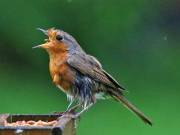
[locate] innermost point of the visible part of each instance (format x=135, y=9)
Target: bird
x=80, y=75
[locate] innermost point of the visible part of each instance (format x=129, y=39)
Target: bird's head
x=58, y=41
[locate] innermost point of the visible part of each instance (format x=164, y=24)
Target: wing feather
x=90, y=66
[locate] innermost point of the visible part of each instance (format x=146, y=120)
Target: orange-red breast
x=79, y=74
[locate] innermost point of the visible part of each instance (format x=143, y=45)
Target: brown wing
x=88, y=65
x=113, y=80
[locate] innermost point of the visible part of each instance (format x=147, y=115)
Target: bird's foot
x=70, y=115
x=72, y=109
x=69, y=110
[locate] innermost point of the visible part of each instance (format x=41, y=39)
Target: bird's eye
x=59, y=37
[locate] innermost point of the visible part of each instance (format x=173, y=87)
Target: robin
x=81, y=75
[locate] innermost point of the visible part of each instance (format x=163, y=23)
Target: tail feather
x=133, y=108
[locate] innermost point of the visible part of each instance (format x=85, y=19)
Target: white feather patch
x=100, y=95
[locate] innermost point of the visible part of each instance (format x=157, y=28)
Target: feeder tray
x=44, y=124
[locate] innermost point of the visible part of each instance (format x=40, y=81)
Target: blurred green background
x=137, y=41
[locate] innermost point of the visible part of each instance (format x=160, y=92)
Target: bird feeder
x=45, y=124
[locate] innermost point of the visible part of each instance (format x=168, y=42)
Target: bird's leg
x=71, y=111
x=68, y=108
x=71, y=99
x=74, y=108
x=75, y=116
x=71, y=102
x=84, y=109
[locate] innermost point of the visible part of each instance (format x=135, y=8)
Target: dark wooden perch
x=65, y=125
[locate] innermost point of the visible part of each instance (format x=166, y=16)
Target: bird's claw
x=71, y=115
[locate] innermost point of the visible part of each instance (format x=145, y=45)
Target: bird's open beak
x=38, y=46
x=43, y=45
x=44, y=31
